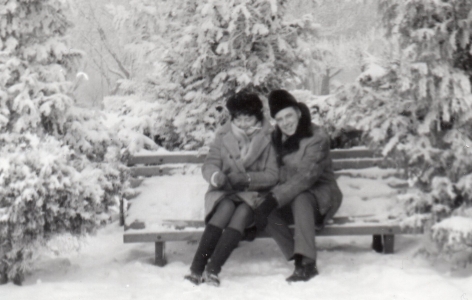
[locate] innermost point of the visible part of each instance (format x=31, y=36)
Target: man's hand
x=239, y=181
x=262, y=211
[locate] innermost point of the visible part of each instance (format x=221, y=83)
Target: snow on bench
x=382, y=228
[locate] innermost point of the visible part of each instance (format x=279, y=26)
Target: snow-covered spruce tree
x=60, y=168
x=227, y=46
x=210, y=49
x=417, y=108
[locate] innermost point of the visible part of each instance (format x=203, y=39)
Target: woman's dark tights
x=233, y=215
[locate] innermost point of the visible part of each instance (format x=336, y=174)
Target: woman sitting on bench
x=240, y=164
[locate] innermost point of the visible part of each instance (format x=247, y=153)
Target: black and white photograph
x=235, y=149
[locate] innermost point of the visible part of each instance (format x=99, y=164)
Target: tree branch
x=116, y=72
x=109, y=49
x=335, y=73
x=111, y=52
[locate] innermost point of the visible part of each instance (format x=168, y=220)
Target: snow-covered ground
x=105, y=268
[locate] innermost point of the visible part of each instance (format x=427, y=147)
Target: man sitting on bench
x=307, y=193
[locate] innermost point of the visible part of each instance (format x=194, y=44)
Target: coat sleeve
x=213, y=161
x=269, y=176
x=310, y=168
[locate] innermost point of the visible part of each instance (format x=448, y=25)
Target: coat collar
x=305, y=130
x=305, y=142
x=260, y=140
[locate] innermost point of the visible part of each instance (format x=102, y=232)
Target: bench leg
x=377, y=244
x=122, y=212
x=161, y=254
x=389, y=242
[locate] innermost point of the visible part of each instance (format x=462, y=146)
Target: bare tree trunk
x=325, y=84
x=310, y=82
x=325, y=81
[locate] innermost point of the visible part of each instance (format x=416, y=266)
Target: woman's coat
x=224, y=156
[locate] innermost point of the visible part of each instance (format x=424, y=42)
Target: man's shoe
x=194, y=278
x=310, y=271
x=303, y=273
x=211, y=279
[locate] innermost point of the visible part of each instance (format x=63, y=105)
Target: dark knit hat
x=281, y=99
x=244, y=103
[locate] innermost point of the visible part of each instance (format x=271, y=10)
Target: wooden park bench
x=383, y=232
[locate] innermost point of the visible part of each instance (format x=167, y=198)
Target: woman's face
x=245, y=122
x=287, y=120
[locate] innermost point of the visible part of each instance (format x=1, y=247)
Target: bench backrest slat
x=339, y=164
x=154, y=164
x=160, y=159
x=196, y=157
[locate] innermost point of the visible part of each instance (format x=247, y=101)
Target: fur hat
x=280, y=99
x=244, y=103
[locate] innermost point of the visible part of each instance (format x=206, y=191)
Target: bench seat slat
x=180, y=224
x=195, y=234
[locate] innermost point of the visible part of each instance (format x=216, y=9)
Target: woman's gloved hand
x=239, y=181
x=218, y=179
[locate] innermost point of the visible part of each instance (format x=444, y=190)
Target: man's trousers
x=303, y=213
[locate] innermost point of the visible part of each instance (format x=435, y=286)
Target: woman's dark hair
x=244, y=103
x=292, y=143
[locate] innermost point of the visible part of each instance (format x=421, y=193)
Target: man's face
x=287, y=120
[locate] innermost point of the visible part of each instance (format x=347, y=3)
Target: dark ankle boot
x=303, y=272
x=228, y=242
x=194, y=278
x=211, y=279
x=205, y=249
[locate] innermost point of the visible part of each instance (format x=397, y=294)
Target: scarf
x=245, y=141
